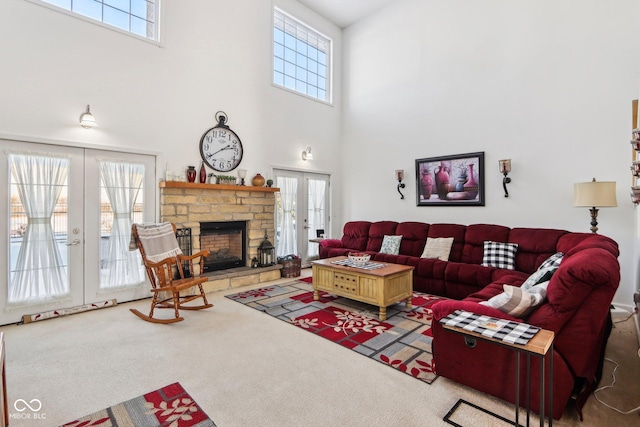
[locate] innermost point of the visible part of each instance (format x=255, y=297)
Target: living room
x=548, y=84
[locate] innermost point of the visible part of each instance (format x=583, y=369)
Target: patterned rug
x=169, y=406
x=403, y=341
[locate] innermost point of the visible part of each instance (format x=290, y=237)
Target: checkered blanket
x=504, y=330
x=367, y=266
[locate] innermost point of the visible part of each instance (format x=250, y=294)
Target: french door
x=302, y=212
x=66, y=226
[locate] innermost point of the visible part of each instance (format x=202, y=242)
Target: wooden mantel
x=227, y=187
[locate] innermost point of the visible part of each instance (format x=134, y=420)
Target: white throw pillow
x=438, y=247
x=391, y=245
x=518, y=302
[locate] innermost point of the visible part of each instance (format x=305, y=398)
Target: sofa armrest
x=442, y=309
x=326, y=244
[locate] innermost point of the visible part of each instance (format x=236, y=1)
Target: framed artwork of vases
x=456, y=180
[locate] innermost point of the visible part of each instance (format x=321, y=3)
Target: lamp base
x=594, y=222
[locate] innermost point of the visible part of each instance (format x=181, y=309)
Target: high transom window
x=301, y=57
x=138, y=17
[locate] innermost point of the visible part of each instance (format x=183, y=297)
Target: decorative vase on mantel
x=258, y=180
x=191, y=174
x=203, y=174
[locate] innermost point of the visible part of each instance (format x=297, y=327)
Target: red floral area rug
x=403, y=341
x=170, y=406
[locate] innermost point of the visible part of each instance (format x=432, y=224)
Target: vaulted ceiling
x=345, y=12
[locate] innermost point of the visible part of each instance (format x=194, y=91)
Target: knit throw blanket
x=158, y=240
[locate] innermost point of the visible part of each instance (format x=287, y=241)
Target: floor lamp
x=594, y=195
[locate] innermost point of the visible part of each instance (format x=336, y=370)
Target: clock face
x=221, y=149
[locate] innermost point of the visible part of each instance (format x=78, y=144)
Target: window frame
x=159, y=12
x=329, y=56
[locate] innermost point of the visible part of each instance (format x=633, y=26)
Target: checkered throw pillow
x=553, y=261
x=544, y=272
x=500, y=255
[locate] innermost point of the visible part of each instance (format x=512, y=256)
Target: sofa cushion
x=518, y=302
x=391, y=245
x=355, y=235
x=438, y=247
x=475, y=237
x=456, y=231
x=414, y=236
x=499, y=255
x=377, y=232
x=534, y=246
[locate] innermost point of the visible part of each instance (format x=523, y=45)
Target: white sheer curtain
x=316, y=189
x=122, y=183
x=40, y=274
x=286, y=243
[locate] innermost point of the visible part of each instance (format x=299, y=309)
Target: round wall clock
x=220, y=147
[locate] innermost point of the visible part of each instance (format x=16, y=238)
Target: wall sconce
x=242, y=174
x=505, y=168
x=87, y=120
x=400, y=177
x=306, y=154
x=594, y=194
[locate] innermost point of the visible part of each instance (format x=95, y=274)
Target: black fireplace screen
x=226, y=242
x=184, y=241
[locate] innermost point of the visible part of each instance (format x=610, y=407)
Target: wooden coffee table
x=381, y=287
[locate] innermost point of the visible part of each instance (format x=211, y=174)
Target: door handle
x=74, y=243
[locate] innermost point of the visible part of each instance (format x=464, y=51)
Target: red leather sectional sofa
x=579, y=297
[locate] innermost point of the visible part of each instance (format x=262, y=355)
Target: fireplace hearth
x=227, y=243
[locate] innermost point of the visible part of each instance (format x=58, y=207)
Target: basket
x=291, y=266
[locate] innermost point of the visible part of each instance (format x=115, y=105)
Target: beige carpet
x=245, y=368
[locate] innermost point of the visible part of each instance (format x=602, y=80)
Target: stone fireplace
x=191, y=204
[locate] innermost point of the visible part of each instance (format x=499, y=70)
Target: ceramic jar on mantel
x=258, y=180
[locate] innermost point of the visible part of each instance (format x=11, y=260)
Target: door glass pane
x=121, y=204
x=38, y=229
x=286, y=236
x=316, y=190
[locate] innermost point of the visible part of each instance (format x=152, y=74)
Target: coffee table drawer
x=345, y=283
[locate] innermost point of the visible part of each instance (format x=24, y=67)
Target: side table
x=538, y=346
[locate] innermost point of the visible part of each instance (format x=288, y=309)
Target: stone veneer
x=188, y=204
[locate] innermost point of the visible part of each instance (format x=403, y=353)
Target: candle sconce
x=400, y=178
x=505, y=168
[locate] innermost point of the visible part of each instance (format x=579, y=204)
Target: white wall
x=547, y=83
x=215, y=55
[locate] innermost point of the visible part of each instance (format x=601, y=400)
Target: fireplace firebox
x=227, y=243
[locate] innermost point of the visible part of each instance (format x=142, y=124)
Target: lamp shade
x=595, y=194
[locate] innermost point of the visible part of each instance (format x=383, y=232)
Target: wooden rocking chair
x=164, y=251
